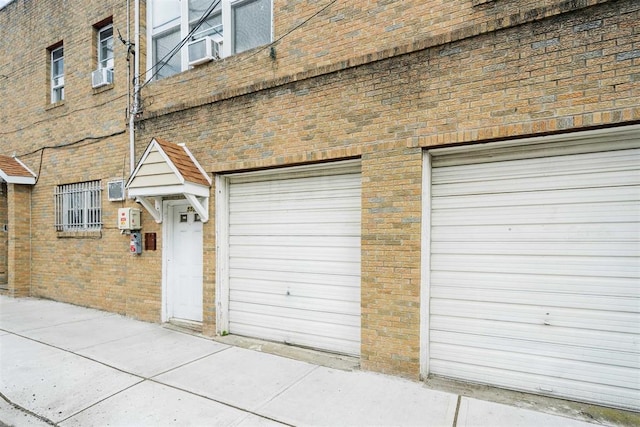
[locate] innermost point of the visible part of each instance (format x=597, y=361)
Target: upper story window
x=78, y=206
x=105, y=47
x=251, y=24
x=57, y=73
x=103, y=72
x=234, y=25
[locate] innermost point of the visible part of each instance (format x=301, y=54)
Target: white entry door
x=184, y=264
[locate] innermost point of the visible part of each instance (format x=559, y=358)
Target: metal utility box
x=129, y=219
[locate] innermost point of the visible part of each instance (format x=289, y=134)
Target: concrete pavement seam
x=26, y=411
x=74, y=353
x=100, y=401
x=185, y=364
x=142, y=379
x=248, y=411
x=455, y=417
x=285, y=388
x=64, y=323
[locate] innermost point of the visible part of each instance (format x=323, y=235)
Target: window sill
x=103, y=88
x=93, y=234
x=54, y=105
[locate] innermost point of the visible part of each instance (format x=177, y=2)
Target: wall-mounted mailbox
x=150, y=241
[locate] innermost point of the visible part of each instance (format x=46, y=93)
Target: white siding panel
x=154, y=169
x=155, y=180
x=535, y=269
x=294, y=258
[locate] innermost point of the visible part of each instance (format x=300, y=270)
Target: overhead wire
x=268, y=46
x=162, y=62
x=265, y=47
x=30, y=125
x=93, y=139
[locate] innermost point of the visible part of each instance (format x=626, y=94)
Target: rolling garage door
x=535, y=267
x=294, y=256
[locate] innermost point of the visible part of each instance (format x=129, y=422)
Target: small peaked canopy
x=14, y=171
x=168, y=169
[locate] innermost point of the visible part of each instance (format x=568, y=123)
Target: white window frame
x=57, y=80
x=108, y=61
x=229, y=24
x=227, y=31
x=78, y=206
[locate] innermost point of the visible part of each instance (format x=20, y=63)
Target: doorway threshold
x=184, y=325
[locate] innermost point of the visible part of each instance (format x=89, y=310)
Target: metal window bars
x=78, y=206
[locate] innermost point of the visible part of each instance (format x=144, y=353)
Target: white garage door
x=535, y=266
x=294, y=256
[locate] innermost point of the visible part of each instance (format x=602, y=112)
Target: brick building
x=436, y=188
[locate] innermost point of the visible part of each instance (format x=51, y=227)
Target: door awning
x=168, y=169
x=13, y=171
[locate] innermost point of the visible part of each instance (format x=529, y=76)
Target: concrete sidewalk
x=70, y=366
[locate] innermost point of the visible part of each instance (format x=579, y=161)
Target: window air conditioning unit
x=116, y=190
x=204, y=50
x=101, y=77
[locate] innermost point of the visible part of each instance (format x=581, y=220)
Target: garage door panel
x=617, y=232
x=586, y=249
x=535, y=266
x=285, y=185
x=296, y=266
x=297, y=241
x=294, y=256
x=325, y=291
x=540, y=333
x=568, y=265
x=558, y=316
x=609, y=194
x=295, y=320
x=247, y=202
x=620, y=287
x=297, y=229
x=543, y=384
x=305, y=339
x=324, y=251
x=300, y=202
x=567, y=166
x=284, y=301
x=528, y=184
x=275, y=277
x=533, y=348
x=298, y=217
x=577, y=370
x=248, y=206
x=546, y=214
x=548, y=299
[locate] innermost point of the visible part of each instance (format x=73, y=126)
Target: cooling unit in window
x=116, y=190
x=101, y=77
x=204, y=50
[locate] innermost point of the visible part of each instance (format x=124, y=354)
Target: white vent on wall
x=101, y=77
x=204, y=50
x=115, y=190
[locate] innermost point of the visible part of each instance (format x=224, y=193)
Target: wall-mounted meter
x=129, y=219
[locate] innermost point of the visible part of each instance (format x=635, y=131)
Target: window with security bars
x=79, y=206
